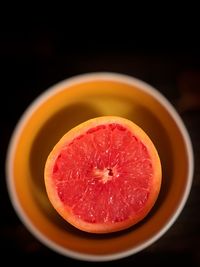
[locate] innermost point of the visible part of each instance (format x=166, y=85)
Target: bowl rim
x=63, y=85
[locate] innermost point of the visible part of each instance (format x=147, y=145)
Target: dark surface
x=34, y=61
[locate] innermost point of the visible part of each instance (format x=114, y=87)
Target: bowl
x=62, y=107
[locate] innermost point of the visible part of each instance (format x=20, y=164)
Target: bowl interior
x=69, y=106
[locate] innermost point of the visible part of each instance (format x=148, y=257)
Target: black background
x=35, y=58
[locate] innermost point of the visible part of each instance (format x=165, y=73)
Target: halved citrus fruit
x=104, y=175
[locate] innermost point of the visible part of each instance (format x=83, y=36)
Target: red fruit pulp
x=104, y=175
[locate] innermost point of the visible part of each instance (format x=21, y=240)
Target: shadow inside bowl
x=50, y=133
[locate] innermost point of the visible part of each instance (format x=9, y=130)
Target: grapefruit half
x=104, y=175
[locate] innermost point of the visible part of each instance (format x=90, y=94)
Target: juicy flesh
x=104, y=175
